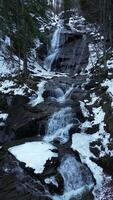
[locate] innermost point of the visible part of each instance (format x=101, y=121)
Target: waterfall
x=58, y=92
x=54, y=49
x=59, y=126
x=56, y=39
x=55, y=3
x=77, y=178
x=63, y=98
x=49, y=61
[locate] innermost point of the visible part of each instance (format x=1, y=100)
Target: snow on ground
x=110, y=63
x=6, y=86
x=92, y=58
x=10, y=68
x=95, y=53
x=3, y=116
x=9, y=86
x=38, y=71
x=109, y=84
x=94, y=98
x=84, y=109
x=34, y=154
x=98, y=115
x=38, y=97
x=81, y=143
x=105, y=192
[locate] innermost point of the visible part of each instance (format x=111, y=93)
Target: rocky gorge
x=56, y=125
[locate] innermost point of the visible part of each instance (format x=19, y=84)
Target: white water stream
x=77, y=178
x=54, y=49
x=59, y=126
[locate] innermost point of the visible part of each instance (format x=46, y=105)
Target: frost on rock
x=81, y=142
x=8, y=68
x=34, y=154
x=98, y=115
x=3, y=116
x=109, y=84
x=84, y=109
x=6, y=86
x=9, y=86
x=110, y=63
x=94, y=98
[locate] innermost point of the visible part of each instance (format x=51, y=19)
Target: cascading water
x=54, y=49
x=59, y=126
x=55, y=3
x=56, y=39
x=63, y=98
x=77, y=178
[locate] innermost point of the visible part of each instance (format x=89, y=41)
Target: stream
x=77, y=177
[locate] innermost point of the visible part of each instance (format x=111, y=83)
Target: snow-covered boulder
x=34, y=154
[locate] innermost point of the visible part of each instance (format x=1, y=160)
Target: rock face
x=73, y=52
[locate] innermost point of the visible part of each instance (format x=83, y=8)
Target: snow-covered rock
x=34, y=154
x=81, y=143
x=3, y=116
x=109, y=84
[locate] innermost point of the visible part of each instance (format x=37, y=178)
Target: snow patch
x=109, y=84
x=84, y=109
x=94, y=98
x=98, y=115
x=110, y=63
x=34, y=154
x=81, y=143
x=6, y=86
x=3, y=116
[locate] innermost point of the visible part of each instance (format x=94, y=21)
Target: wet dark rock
x=5, y=136
x=51, y=167
x=17, y=101
x=68, y=60
x=26, y=179
x=28, y=121
x=74, y=129
x=26, y=124
x=42, y=51
x=97, y=142
x=95, y=151
x=3, y=102
x=59, y=188
x=79, y=114
x=85, y=196
x=106, y=163
x=93, y=129
x=13, y=189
